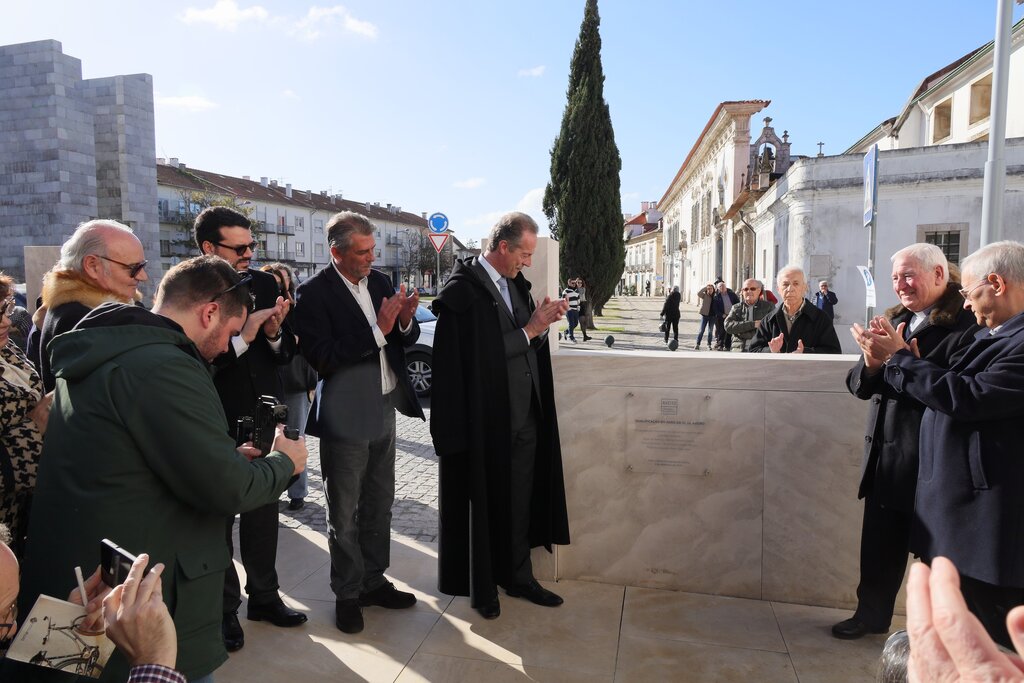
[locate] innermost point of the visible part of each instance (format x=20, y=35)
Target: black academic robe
x=471, y=430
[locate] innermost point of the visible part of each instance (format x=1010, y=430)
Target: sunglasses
x=133, y=268
x=240, y=251
x=751, y=289
x=242, y=282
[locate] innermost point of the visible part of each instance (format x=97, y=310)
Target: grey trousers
x=359, y=481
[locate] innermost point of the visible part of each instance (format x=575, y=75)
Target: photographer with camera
x=137, y=449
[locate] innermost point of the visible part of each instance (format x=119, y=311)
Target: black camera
x=260, y=426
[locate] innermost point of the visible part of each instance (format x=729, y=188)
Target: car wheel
x=420, y=372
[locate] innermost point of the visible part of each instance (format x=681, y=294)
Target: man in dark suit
x=931, y=316
x=494, y=426
x=245, y=372
x=825, y=299
x=353, y=329
x=968, y=502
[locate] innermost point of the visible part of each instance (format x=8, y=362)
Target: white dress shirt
x=388, y=380
x=495, y=276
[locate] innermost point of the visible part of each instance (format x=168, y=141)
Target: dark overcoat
x=670, y=310
x=812, y=327
x=889, y=473
x=969, y=506
x=471, y=430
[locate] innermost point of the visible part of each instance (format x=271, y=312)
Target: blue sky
x=452, y=105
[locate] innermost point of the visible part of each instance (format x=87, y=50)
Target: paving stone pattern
x=414, y=514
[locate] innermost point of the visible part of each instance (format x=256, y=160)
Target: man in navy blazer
x=969, y=506
x=353, y=329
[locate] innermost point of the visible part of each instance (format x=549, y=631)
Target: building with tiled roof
x=288, y=223
x=700, y=242
x=952, y=104
x=643, y=264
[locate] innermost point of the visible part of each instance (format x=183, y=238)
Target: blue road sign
x=438, y=222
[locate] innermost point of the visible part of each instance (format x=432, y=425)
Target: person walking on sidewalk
x=581, y=287
x=670, y=312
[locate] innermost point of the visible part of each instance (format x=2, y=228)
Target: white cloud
x=469, y=183
x=225, y=15
x=289, y=94
x=535, y=72
x=484, y=220
x=320, y=19
x=533, y=204
x=192, y=103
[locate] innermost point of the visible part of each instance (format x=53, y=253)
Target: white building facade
x=698, y=239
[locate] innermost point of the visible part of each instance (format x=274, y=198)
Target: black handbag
x=664, y=326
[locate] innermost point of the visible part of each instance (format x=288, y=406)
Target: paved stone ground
x=632, y=321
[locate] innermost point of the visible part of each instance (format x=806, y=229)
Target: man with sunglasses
x=140, y=454
x=745, y=317
x=968, y=505
x=102, y=261
x=248, y=370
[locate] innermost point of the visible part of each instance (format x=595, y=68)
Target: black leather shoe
x=348, y=616
x=276, y=613
x=296, y=504
x=234, y=637
x=535, y=593
x=491, y=610
x=387, y=596
x=852, y=629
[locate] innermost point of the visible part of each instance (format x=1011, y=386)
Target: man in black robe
x=494, y=426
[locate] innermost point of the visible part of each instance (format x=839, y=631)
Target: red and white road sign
x=438, y=241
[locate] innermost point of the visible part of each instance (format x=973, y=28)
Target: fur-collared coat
x=68, y=296
x=889, y=474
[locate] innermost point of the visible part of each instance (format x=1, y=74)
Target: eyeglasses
x=966, y=293
x=9, y=620
x=7, y=307
x=133, y=268
x=239, y=250
x=242, y=281
x=751, y=289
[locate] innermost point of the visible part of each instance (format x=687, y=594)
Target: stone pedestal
x=729, y=474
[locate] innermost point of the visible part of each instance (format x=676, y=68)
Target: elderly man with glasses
x=745, y=317
x=930, y=314
x=102, y=261
x=968, y=505
x=248, y=370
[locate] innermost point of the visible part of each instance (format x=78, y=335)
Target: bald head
x=108, y=254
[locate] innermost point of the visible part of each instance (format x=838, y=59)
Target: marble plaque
x=667, y=431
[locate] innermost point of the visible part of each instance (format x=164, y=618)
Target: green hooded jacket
x=137, y=450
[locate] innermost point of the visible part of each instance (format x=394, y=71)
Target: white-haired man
x=102, y=261
x=796, y=326
x=931, y=316
x=968, y=502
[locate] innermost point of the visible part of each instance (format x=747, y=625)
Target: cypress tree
x=582, y=201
